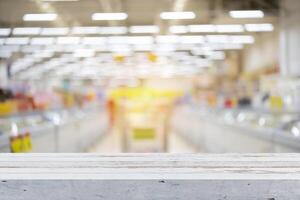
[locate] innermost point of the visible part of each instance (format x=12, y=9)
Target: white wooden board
x=150, y=176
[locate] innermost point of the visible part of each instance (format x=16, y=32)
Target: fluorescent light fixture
x=68, y=40
x=42, y=41
x=217, y=55
x=217, y=39
x=204, y=28
x=230, y=28
x=5, y=31
x=122, y=49
x=227, y=46
x=177, y=15
x=192, y=39
x=117, y=40
x=135, y=40
x=143, y=47
x=244, y=14
x=140, y=40
x=167, y=39
x=17, y=41
x=178, y=29
x=109, y=16
x=113, y=30
x=242, y=39
x=259, y=27
x=26, y=31
x=85, y=30
x=59, y=0
x=144, y=29
x=84, y=53
x=2, y=40
x=44, y=54
x=40, y=17
x=55, y=31
x=93, y=40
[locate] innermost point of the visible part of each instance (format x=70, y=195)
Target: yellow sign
x=152, y=57
x=144, y=133
x=119, y=58
x=276, y=103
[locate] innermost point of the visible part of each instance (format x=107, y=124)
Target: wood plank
x=150, y=176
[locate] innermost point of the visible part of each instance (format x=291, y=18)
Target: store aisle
x=111, y=143
x=178, y=145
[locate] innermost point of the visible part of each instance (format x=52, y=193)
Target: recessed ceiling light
x=93, y=40
x=17, y=40
x=242, y=39
x=109, y=16
x=259, y=27
x=42, y=41
x=144, y=29
x=84, y=53
x=140, y=40
x=178, y=29
x=113, y=30
x=85, y=30
x=40, y=17
x=192, y=39
x=230, y=28
x=177, y=15
x=167, y=39
x=68, y=40
x=244, y=14
x=203, y=28
x=27, y=31
x=218, y=38
x=55, y=31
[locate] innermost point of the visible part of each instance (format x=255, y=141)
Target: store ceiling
x=140, y=12
x=30, y=60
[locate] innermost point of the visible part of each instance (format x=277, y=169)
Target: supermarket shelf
x=211, y=132
x=76, y=132
x=150, y=176
x=259, y=110
x=52, y=110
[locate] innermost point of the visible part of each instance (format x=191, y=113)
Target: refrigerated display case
x=58, y=130
x=237, y=130
x=36, y=126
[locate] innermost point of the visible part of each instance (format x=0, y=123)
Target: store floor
x=111, y=143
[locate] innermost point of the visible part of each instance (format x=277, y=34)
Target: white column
x=290, y=37
x=3, y=75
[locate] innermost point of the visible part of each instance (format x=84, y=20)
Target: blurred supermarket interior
x=185, y=76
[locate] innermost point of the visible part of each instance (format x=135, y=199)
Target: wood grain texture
x=150, y=176
x=150, y=166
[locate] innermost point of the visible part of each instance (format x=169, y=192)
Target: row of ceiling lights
x=171, y=39
x=239, y=14
x=204, y=28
